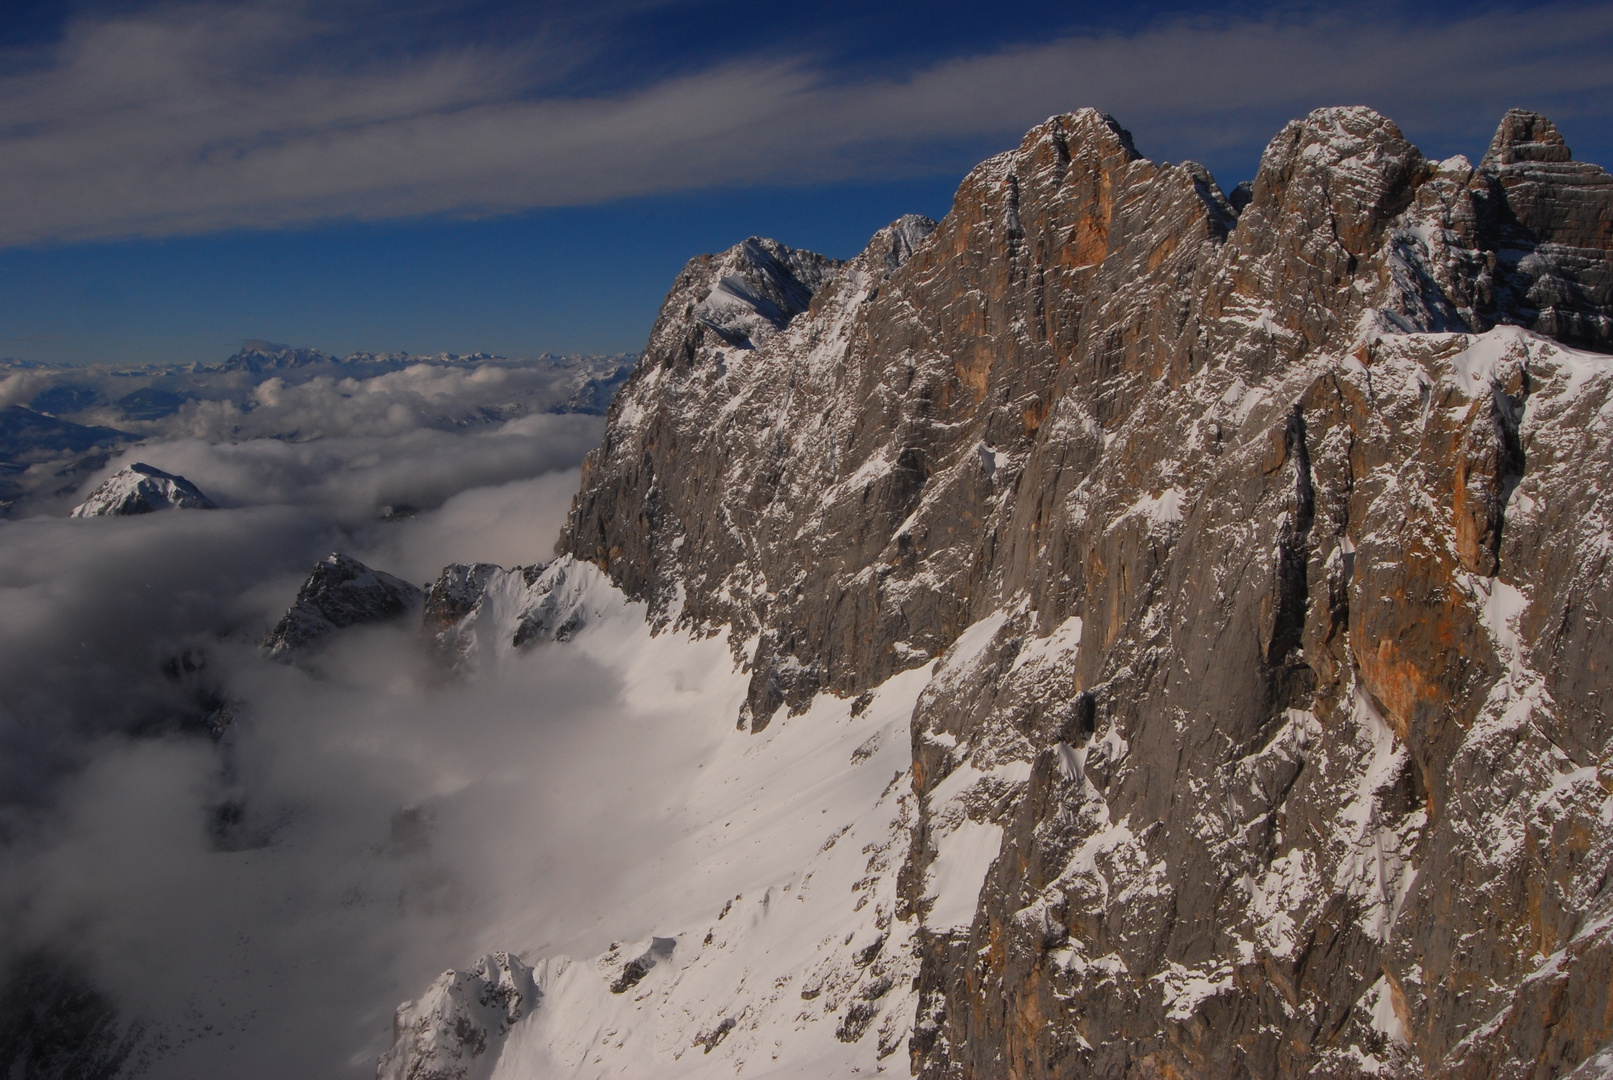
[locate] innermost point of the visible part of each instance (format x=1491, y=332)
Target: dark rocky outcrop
x=55, y=1022
x=341, y=592
x=1277, y=525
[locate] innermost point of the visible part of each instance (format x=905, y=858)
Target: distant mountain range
x=76, y=416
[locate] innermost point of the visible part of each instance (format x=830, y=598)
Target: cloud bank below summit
x=390, y=819
x=388, y=815
x=186, y=119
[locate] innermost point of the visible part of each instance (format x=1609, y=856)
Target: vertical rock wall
x=1261, y=552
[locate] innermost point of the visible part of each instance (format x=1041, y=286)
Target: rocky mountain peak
x=1345, y=171
x=141, y=489
x=1526, y=136
x=340, y=592
x=895, y=243
x=738, y=297
x=1087, y=131
x=1239, y=551
x=1544, y=223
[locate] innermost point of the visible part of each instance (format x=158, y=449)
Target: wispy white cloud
x=351, y=478
x=191, y=119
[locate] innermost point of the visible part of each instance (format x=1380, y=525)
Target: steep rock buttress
x=1259, y=547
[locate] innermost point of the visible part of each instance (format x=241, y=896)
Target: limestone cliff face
x=1260, y=547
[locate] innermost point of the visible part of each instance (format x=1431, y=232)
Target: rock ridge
x=1254, y=545
x=339, y=593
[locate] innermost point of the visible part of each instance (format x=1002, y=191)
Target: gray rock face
x=341, y=592
x=141, y=489
x=448, y=1034
x=1261, y=547
x=475, y=611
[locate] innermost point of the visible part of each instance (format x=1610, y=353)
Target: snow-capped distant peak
x=140, y=489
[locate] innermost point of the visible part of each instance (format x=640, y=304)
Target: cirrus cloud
x=187, y=119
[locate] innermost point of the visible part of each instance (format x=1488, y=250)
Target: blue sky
x=516, y=178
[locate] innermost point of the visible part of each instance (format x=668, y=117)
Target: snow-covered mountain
x=141, y=489
x=1119, y=630
x=68, y=420
x=1180, y=616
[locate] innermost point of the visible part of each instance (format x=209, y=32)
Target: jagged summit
x=893, y=244
x=738, y=298
x=760, y=286
x=1249, y=549
x=141, y=489
x=340, y=592
x=1526, y=136
x=1087, y=129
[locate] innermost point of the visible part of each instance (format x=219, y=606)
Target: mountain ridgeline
x=1262, y=541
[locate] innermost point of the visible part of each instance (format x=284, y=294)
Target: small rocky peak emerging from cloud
x=482, y=608
x=140, y=489
x=448, y=1032
x=341, y=592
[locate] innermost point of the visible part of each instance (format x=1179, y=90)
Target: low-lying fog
x=261, y=902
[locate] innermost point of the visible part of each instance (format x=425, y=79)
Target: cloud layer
x=421, y=395
x=352, y=479
x=387, y=822
x=352, y=437
x=382, y=820
x=187, y=119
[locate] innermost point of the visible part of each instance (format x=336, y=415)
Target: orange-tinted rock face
x=1284, y=535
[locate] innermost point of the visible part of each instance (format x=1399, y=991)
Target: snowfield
x=760, y=940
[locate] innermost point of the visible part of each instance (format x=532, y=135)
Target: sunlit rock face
x=1259, y=547
x=448, y=1033
x=141, y=489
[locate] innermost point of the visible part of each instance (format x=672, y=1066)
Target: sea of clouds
x=257, y=904
x=318, y=431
